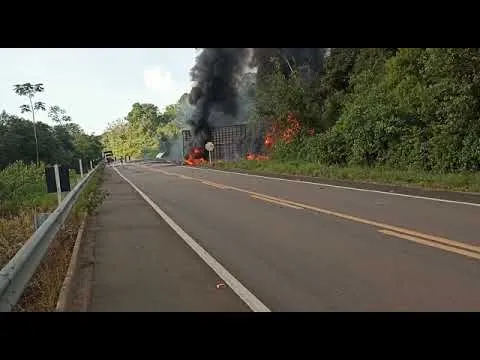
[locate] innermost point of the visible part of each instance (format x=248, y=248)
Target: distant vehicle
x=108, y=156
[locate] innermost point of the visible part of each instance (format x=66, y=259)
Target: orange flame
x=287, y=133
x=195, y=157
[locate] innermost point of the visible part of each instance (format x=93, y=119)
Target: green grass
x=44, y=287
x=92, y=195
x=454, y=182
x=23, y=193
x=23, y=187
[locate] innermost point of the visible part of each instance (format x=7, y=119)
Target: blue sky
x=96, y=86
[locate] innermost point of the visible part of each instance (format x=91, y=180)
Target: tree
x=58, y=115
x=56, y=144
x=18, y=143
x=29, y=90
x=145, y=117
x=168, y=115
x=143, y=130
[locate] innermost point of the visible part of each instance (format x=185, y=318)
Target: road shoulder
x=140, y=263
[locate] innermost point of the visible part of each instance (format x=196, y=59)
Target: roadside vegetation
x=392, y=115
x=145, y=131
x=468, y=181
x=408, y=116
x=27, y=146
x=23, y=195
x=44, y=287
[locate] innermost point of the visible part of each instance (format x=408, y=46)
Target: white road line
x=342, y=187
x=247, y=297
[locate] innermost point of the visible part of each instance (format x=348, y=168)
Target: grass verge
x=44, y=287
x=380, y=175
x=23, y=194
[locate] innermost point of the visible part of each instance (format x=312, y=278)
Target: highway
x=293, y=246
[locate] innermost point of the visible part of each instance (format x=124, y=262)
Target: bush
x=413, y=109
x=23, y=186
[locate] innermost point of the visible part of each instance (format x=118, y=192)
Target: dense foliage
x=142, y=131
x=27, y=146
x=404, y=108
x=408, y=108
x=22, y=186
x=62, y=144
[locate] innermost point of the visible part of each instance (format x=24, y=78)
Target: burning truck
x=241, y=141
x=214, y=96
x=229, y=141
x=215, y=99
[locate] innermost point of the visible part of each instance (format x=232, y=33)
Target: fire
x=195, y=157
x=286, y=133
x=269, y=141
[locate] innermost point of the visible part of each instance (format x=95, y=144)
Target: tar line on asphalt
x=242, y=292
x=437, y=242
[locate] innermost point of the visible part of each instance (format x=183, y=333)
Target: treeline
x=63, y=143
x=22, y=182
x=30, y=141
x=141, y=133
x=406, y=108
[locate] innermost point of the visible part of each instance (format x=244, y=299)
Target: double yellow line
x=402, y=233
x=437, y=242
x=454, y=247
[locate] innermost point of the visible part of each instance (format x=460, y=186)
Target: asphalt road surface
x=290, y=246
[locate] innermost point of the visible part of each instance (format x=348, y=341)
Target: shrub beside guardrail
x=15, y=276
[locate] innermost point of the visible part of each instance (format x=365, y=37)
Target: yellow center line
x=447, y=243
x=219, y=186
x=370, y=222
x=467, y=253
x=276, y=202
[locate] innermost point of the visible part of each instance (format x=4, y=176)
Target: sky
x=95, y=86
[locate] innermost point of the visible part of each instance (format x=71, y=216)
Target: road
x=293, y=246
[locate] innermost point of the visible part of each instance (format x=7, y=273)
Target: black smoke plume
x=216, y=74
x=214, y=95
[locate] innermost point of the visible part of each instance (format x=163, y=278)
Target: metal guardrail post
x=15, y=276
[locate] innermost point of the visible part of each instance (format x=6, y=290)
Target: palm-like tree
x=29, y=90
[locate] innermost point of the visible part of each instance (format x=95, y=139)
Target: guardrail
x=15, y=276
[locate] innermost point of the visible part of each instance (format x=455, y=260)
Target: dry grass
x=14, y=231
x=44, y=287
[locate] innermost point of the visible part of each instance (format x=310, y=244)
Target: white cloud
x=163, y=88
x=157, y=79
